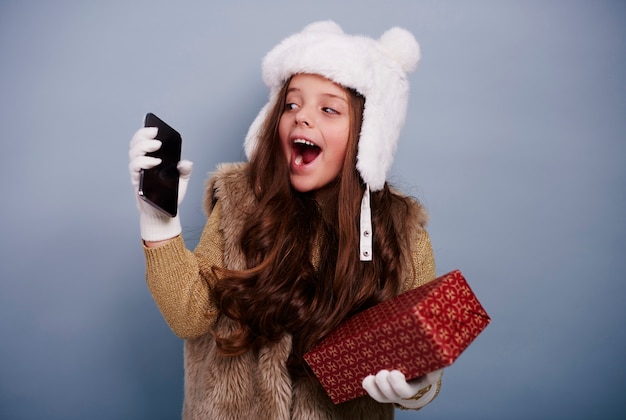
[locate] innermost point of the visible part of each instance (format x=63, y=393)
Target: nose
x=302, y=118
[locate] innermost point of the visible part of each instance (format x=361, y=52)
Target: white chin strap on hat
x=366, y=227
x=375, y=68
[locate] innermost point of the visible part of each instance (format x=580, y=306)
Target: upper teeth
x=305, y=142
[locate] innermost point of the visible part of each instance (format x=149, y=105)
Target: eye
x=329, y=110
x=290, y=106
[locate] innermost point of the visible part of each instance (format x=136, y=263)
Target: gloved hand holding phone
x=156, y=223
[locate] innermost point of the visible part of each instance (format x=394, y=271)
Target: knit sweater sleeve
x=180, y=281
x=423, y=262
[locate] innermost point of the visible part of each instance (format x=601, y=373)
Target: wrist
x=422, y=398
x=155, y=228
x=156, y=244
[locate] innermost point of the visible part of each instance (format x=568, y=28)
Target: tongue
x=309, y=154
x=305, y=154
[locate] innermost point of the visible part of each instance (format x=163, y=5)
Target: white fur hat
x=375, y=68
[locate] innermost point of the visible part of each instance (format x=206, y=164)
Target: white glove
x=392, y=387
x=154, y=225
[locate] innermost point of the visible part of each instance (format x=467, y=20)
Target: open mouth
x=305, y=151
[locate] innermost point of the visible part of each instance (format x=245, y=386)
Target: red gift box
x=417, y=332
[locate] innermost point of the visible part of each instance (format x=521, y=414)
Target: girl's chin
x=309, y=184
x=303, y=184
x=301, y=188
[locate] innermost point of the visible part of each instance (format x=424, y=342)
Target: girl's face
x=313, y=131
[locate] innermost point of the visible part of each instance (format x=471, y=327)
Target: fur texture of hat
x=375, y=68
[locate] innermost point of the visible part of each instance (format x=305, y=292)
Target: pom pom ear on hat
x=402, y=46
x=376, y=68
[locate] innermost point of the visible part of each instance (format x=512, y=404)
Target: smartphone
x=158, y=186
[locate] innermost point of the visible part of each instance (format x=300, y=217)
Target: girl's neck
x=327, y=194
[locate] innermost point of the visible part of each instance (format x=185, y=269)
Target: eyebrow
x=330, y=95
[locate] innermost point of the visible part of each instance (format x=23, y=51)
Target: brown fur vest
x=254, y=385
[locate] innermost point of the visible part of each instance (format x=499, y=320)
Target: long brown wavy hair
x=284, y=289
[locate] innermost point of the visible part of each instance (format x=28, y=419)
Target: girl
x=302, y=236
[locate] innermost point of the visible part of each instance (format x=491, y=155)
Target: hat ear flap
x=252, y=137
x=402, y=46
x=379, y=136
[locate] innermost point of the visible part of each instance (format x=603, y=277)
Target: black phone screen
x=159, y=185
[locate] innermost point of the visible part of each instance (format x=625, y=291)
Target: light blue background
x=515, y=142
